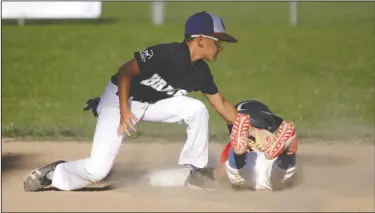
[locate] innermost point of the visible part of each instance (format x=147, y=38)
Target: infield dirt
x=331, y=177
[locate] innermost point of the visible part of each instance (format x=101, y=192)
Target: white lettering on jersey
x=151, y=81
x=158, y=83
x=170, y=90
x=180, y=92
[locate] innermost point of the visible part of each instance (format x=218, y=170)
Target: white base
x=167, y=177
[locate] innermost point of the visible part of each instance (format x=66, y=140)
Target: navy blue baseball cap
x=207, y=24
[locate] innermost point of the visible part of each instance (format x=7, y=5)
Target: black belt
x=142, y=100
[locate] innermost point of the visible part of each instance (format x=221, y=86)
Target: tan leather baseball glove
x=258, y=138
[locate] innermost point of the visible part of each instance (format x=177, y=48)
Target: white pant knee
x=195, y=108
x=234, y=175
x=97, y=169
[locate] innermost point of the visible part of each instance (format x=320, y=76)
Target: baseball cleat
x=283, y=140
x=201, y=179
x=37, y=179
x=239, y=134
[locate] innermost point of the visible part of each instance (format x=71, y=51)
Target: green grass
x=319, y=74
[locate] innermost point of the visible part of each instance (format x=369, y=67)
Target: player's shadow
x=86, y=189
x=15, y=161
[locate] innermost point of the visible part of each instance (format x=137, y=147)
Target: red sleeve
x=224, y=154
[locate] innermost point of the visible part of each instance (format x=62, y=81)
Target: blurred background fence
x=23, y=10
x=319, y=73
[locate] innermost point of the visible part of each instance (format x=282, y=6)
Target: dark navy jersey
x=166, y=71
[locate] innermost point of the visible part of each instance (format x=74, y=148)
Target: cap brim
x=224, y=37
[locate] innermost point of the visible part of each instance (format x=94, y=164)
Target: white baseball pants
x=259, y=173
x=106, y=142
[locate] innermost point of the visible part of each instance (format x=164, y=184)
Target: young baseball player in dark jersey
x=152, y=87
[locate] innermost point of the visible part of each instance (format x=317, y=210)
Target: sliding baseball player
x=261, y=154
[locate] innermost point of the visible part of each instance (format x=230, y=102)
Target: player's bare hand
x=126, y=122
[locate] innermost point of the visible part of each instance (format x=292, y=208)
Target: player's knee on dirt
x=234, y=175
x=96, y=169
x=233, y=166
